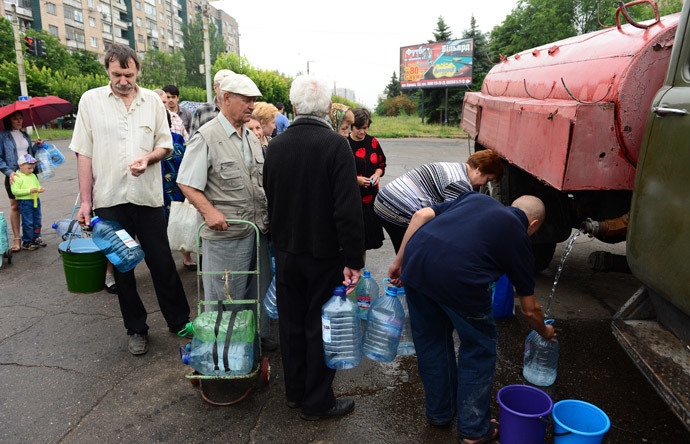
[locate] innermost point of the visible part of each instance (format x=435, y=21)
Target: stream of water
x=560, y=268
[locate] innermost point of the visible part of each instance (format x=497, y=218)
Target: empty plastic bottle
x=270, y=302
x=406, y=345
x=63, y=228
x=47, y=169
x=117, y=245
x=240, y=358
x=384, y=327
x=342, y=331
x=367, y=292
x=56, y=156
x=204, y=326
x=540, y=359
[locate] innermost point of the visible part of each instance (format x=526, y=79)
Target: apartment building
x=94, y=25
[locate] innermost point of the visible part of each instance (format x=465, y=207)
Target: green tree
x=193, y=52
x=6, y=41
x=442, y=31
x=160, y=68
x=274, y=86
x=57, y=57
x=87, y=63
x=393, y=87
x=481, y=64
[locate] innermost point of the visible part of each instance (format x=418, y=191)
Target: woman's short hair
x=7, y=122
x=265, y=112
x=362, y=117
x=487, y=162
x=310, y=96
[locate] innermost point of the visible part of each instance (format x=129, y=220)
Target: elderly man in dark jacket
x=318, y=232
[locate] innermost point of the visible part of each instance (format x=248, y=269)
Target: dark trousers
x=149, y=226
x=465, y=385
x=31, y=219
x=395, y=232
x=303, y=285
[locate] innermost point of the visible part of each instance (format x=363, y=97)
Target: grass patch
x=52, y=134
x=411, y=126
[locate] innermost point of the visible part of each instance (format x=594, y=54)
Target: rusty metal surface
x=662, y=358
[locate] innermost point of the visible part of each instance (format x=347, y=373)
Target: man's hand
x=215, y=219
x=84, y=214
x=350, y=279
x=550, y=333
x=138, y=166
x=394, y=271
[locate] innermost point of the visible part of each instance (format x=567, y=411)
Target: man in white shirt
x=120, y=135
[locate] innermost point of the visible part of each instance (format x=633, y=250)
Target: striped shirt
x=422, y=187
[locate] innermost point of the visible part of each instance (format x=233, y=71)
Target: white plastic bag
x=182, y=226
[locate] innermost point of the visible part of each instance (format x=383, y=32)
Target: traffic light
x=30, y=43
x=41, y=48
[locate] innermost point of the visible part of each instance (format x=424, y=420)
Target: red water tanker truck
x=598, y=126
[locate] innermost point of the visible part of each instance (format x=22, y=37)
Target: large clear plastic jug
x=540, y=359
x=342, y=332
x=384, y=327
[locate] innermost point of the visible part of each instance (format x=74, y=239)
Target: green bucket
x=84, y=265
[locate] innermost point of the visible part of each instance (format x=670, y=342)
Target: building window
x=53, y=30
x=106, y=27
x=94, y=42
x=141, y=38
x=51, y=9
x=92, y=22
x=137, y=5
x=90, y=3
x=162, y=16
x=78, y=16
x=138, y=21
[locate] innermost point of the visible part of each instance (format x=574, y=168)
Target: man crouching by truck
x=449, y=255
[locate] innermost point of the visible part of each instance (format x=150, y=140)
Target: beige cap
x=220, y=75
x=240, y=84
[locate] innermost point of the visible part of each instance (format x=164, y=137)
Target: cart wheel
x=265, y=371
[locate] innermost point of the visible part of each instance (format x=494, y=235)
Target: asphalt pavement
x=66, y=375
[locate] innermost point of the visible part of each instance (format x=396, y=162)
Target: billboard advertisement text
x=437, y=65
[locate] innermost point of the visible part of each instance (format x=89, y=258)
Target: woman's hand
x=374, y=179
x=13, y=176
x=363, y=182
x=40, y=141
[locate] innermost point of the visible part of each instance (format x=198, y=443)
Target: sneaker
x=138, y=344
x=39, y=242
x=110, y=284
x=29, y=246
x=342, y=406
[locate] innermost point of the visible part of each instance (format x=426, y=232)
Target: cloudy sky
x=353, y=44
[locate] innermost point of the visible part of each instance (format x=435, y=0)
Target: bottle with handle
x=47, y=169
x=200, y=358
x=342, y=331
x=56, y=156
x=270, y=302
x=117, y=245
x=66, y=228
x=367, y=292
x=406, y=345
x=204, y=326
x=384, y=327
x=540, y=363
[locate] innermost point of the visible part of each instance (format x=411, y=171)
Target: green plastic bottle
x=203, y=327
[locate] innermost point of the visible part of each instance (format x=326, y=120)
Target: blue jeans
x=31, y=219
x=464, y=386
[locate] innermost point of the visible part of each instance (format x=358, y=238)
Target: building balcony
x=23, y=8
x=74, y=24
x=107, y=36
x=122, y=40
x=73, y=3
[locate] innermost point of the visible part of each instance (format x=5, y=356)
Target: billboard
x=437, y=65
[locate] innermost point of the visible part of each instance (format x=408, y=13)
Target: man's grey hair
x=310, y=96
x=160, y=92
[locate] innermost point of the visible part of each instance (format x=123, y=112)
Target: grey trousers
x=237, y=255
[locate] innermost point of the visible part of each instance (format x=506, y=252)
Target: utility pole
x=207, y=52
x=20, y=54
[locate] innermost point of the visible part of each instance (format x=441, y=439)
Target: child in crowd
x=26, y=188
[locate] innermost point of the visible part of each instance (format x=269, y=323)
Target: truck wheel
x=543, y=253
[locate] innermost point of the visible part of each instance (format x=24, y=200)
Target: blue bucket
x=579, y=422
x=523, y=414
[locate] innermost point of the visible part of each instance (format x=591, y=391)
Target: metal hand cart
x=261, y=369
x=5, y=247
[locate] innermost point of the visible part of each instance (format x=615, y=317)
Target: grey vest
x=233, y=188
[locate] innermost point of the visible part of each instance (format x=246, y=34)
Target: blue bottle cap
x=339, y=291
x=392, y=291
x=366, y=273
x=95, y=220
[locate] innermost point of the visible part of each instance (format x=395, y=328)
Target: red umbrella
x=37, y=110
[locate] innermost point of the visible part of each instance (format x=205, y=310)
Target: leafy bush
x=396, y=106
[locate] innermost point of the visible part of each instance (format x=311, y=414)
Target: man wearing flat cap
x=221, y=175
x=206, y=112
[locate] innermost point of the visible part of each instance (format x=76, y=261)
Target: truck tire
x=543, y=254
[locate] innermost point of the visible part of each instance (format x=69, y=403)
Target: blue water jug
x=342, y=332
x=384, y=327
x=200, y=358
x=270, y=302
x=367, y=292
x=406, y=346
x=117, y=245
x=56, y=156
x=540, y=359
x=46, y=167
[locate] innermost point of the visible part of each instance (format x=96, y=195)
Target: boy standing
x=26, y=188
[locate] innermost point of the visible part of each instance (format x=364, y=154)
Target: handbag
x=182, y=227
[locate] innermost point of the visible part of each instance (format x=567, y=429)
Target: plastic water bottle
x=240, y=358
x=63, y=228
x=56, y=156
x=540, y=359
x=270, y=302
x=204, y=326
x=47, y=167
x=367, y=292
x=117, y=245
x=384, y=327
x=406, y=345
x=342, y=331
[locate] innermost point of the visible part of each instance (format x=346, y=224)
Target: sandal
x=490, y=435
x=16, y=246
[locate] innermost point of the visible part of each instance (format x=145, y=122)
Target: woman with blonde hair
x=267, y=117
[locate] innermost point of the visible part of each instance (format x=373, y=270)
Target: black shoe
x=294, y=404
x=138, y=344
x=342, y=406
x=29, y=246
x=39, y=242
x=190, y=267
x=110, y=284
x=268, y=344
x=439, y=422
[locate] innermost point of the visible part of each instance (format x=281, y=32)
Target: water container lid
x=185, y=358
x=366, y=273
x=79, y=245
x=392, y=291
x=95, y=220
x=339, y=291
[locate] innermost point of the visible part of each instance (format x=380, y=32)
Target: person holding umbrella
x=14, y=142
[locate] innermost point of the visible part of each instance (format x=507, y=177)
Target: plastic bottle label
x=364, y=302
x=126, y=238
x=326, y=329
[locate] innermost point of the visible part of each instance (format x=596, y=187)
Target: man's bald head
x=534, y=210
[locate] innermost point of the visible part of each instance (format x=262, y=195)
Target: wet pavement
x=66, y=375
